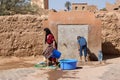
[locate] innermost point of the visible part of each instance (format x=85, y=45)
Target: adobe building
x=79, y=6
x=84, y=7
x=41, y=3
x=113, y=7
x=66, y=26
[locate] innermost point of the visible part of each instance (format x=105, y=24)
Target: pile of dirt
x=21, y=35
x=110, y=32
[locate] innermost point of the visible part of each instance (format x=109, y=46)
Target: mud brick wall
x=21, y=35
x=78, y=18
x=110, y=32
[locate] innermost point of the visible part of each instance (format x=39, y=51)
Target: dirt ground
x=13, y=68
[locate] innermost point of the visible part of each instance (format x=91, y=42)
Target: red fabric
x=50, y=39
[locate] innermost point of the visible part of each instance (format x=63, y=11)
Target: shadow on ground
x=92, y=56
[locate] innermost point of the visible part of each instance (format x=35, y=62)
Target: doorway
x=67, y=39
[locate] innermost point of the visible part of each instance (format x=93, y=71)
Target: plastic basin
x=68, y=64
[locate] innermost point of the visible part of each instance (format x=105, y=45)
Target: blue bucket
x=68, y=64
x=56, y=54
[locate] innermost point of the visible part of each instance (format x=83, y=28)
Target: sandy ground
x=12, y=68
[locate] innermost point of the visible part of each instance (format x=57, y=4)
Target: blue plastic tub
x=68, y=64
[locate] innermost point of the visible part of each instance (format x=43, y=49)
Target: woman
x=50, y=40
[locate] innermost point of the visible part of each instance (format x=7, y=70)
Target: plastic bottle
x=100, y=56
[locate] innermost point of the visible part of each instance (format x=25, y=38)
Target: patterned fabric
x=48, y=51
